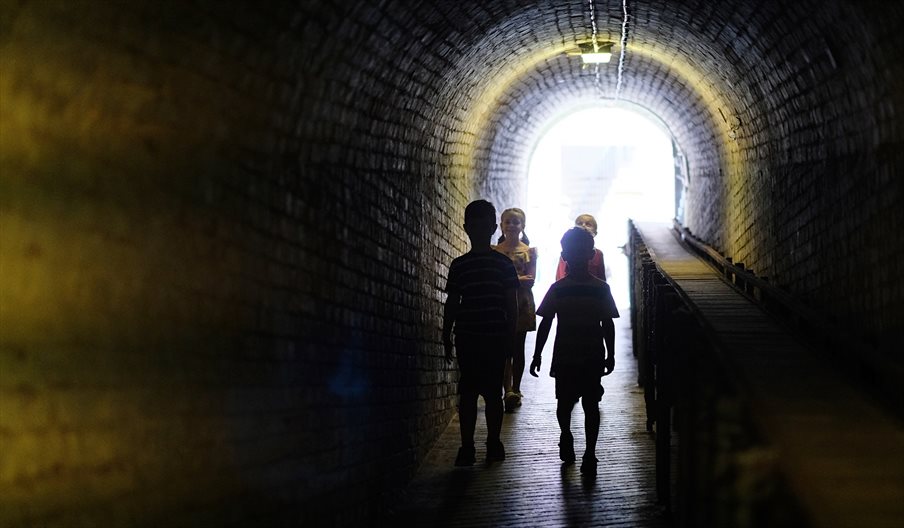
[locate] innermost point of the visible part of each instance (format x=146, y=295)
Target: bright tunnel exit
x=610, y=162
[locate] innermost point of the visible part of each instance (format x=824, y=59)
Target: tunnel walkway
x=842, y=455
x=531, y=487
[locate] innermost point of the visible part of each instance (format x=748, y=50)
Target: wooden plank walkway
x=531, y=487
x=843, y=456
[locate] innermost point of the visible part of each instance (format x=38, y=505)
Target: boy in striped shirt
x=584, y=350
x=482, y=308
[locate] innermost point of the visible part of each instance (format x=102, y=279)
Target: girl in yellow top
x=514, y=244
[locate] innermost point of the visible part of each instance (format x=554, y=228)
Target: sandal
x=511, y=401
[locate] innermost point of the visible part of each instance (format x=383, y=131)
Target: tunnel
x=226, y=226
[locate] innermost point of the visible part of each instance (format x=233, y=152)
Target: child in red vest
x=596, y=265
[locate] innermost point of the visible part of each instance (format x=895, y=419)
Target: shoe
x=566, y=448
x=511, y=401
x=588, y=465
x=465, y=457
x=495, y=451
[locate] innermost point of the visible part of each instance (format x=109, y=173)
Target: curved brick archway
x=226, y=227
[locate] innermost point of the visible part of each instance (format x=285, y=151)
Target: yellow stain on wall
x=715, y=95
x=97, y=263
x=487, y=100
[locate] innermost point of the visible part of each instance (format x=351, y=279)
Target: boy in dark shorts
x=585, y=344
x=482, y=307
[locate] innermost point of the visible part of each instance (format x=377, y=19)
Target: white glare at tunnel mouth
x=609, y=162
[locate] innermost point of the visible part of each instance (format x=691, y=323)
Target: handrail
x=738, y=273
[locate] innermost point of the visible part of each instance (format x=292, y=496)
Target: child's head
x=586, y=222
x=480, y=219
x=513, y=221
x=515, y=217
x=577, y=246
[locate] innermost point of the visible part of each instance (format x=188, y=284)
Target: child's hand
x=447, y=344
x=609, y=366
x=535, y=366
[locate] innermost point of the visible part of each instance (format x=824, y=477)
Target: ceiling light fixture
x=596, y=53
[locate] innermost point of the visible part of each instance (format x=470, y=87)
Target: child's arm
x=602, y=269
x=531, y=269
x=450, y=312
x=609, y=337
x=542, y=336
x=561, y=270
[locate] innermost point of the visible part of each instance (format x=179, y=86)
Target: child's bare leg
x=591, y=424
x=518, y=363
x=563, y=415
x=507, y=376
x=566, y=440
x=493, y=413
x=467, y=417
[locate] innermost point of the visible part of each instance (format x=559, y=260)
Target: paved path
x=531, y=487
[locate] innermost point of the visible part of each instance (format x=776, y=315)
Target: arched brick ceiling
x=723, y=76
x=680, y=72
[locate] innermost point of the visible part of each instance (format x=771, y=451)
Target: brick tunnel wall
x=225, y=228
x=819, y=204
x=223, y=235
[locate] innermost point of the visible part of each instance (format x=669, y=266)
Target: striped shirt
x=481, y=280
x=580, y=306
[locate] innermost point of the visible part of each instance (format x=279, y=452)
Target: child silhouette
x=585, y=344
x=481, y=307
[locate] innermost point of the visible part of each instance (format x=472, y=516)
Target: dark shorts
x=481, y=363
x=573, y=384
